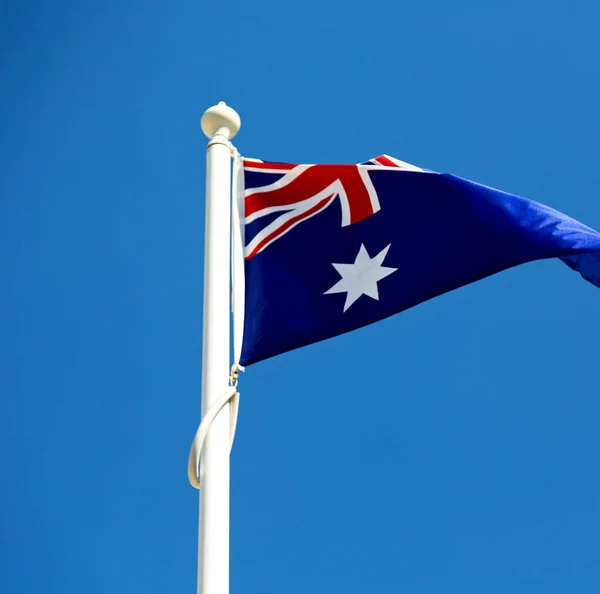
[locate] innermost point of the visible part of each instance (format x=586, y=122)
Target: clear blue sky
x=456, y=451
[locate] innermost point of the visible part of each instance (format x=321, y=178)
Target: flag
x=331, y=248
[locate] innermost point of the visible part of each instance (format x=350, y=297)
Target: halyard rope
x=230, y=396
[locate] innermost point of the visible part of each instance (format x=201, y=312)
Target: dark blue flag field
x=332, y=248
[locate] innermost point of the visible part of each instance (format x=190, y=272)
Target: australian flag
x=331, y=248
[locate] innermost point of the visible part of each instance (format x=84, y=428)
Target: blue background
x=451, y=449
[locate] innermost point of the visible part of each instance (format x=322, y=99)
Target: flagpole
x=219, y=123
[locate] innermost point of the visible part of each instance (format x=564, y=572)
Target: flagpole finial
x=220, y=119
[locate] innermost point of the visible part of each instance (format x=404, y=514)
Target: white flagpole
x=219, y=123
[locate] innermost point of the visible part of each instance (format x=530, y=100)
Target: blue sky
x=456, y=447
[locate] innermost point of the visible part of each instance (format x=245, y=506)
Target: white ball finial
x=220, y=119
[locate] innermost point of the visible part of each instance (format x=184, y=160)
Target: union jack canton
x=299, y=192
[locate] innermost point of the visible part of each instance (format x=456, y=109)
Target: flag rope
x=230, y=396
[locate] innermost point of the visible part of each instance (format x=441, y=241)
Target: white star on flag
x=361, y=278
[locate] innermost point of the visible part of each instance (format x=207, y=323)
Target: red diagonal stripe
x=263, y=165
x=283, y=228
x=386, y=161
x=312, y=181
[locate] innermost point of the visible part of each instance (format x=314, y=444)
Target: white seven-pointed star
x=361, y=277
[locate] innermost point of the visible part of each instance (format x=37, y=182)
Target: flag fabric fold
x=331, y=248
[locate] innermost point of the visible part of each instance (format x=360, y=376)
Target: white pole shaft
x=213, y=532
